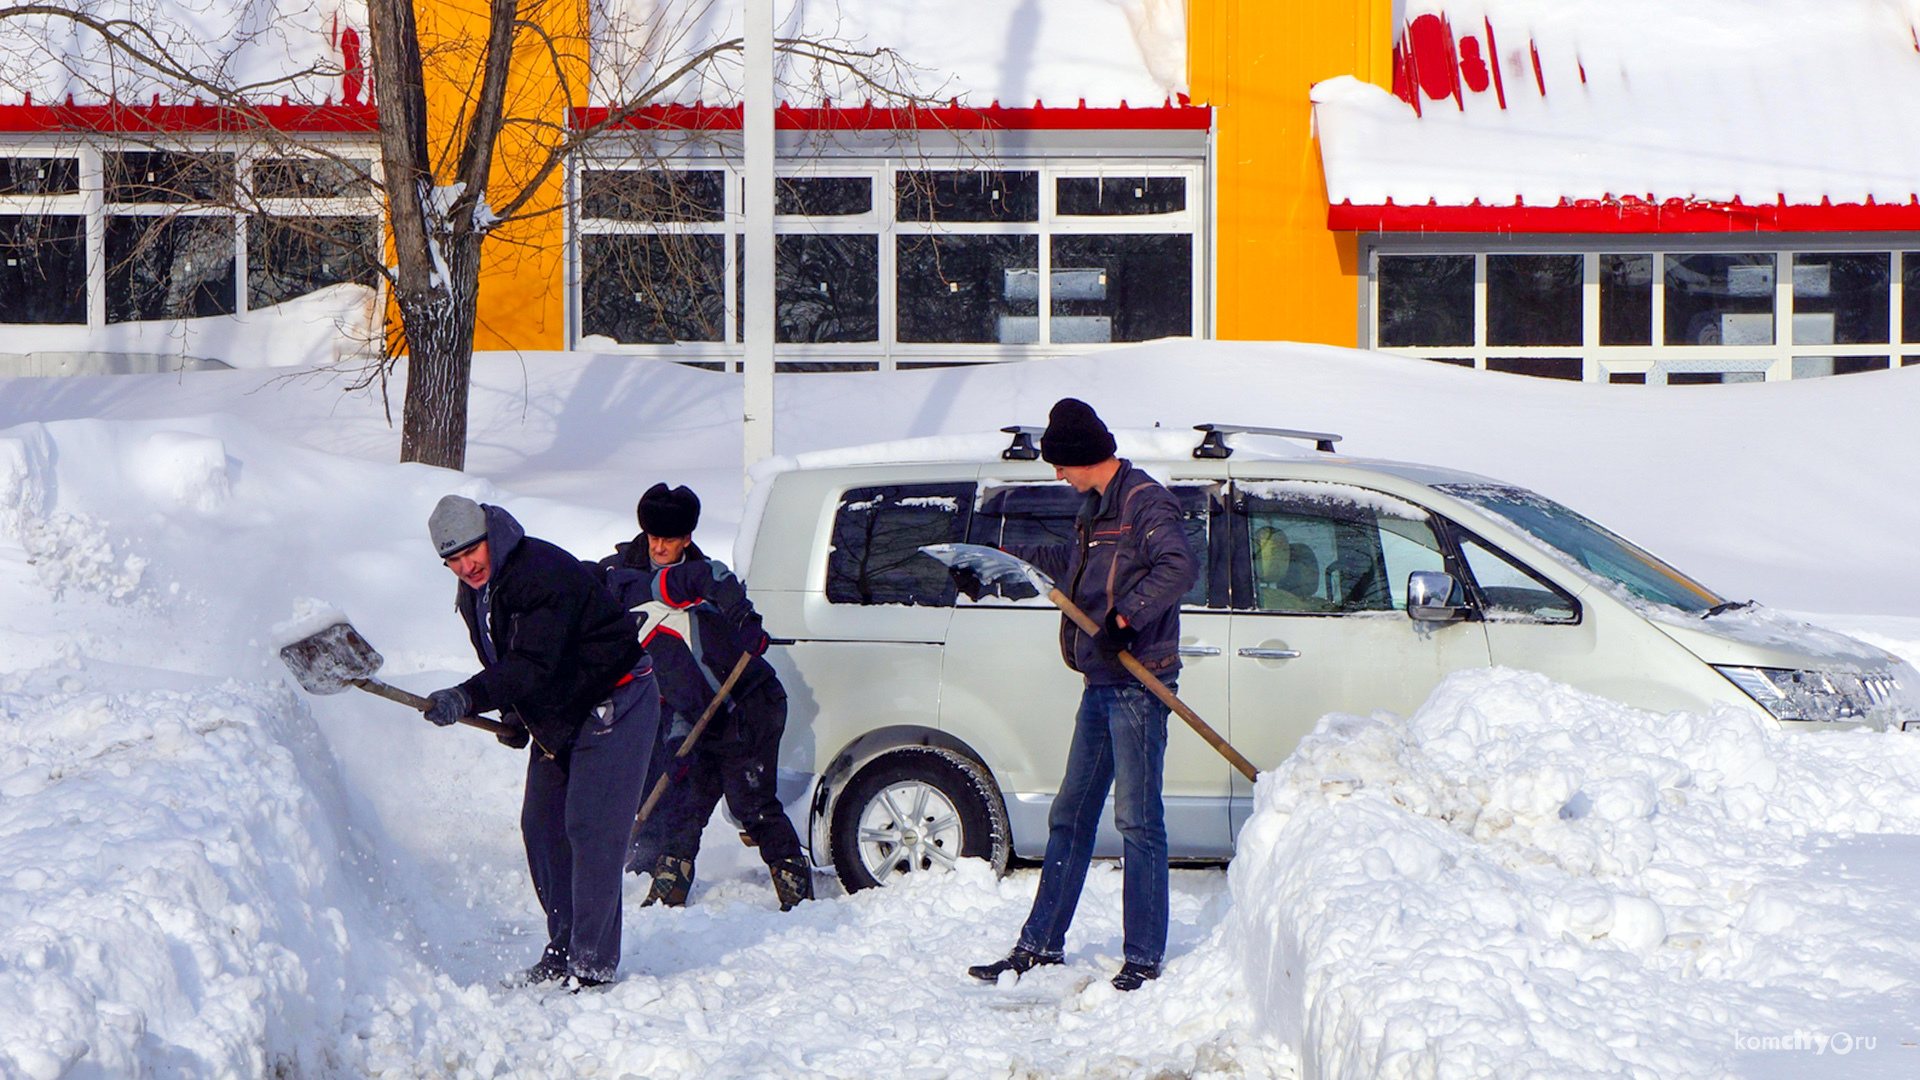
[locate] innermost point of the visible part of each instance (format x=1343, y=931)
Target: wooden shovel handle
x=1151, y=682
x=686, y=744
x=394, y=693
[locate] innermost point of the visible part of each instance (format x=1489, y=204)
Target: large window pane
x=968, y=289
x=1534, y=299
x=1540, y=367
x=169, y=267
x=43, y=269
x=289, y=257
x=1104, y=196
x=39, y=176
x=1910, y=296
x=828, y=288
x=1626, y=299
x=1720, y=299
x=312, y=178
x=1425, y=300
x=653, y=195
x=653, y=289
x=1122, y=288
x=1318, y=547
x=167, y=176
x=827, y=196
x=972, y=195
x=1841, y=299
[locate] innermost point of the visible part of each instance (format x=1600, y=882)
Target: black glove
x=759, y=647
x=448, y=706
x=514, y=738
x=968, y=583
x=1117, y=638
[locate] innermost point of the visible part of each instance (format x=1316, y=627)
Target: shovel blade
x=991, y=565
x=330, y=661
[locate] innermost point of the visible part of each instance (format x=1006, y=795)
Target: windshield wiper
x=1724, y=607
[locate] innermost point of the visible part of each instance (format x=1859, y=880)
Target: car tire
x=916, y=809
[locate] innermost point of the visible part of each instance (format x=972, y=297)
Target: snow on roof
x=1015, y=52
x=264, y=49
x=1721, y=100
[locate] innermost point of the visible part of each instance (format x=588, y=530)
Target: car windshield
x=1589, y=546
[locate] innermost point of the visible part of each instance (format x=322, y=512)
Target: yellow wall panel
x=1279, y=273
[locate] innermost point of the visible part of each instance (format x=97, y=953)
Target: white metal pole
x=757, y=208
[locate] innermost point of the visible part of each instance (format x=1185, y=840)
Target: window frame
x=887, y=353
x=1653, y=363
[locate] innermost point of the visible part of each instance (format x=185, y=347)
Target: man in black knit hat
x=1129, y=570
x=699, y=623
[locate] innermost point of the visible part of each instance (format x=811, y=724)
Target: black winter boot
x=1020, y=961
x=672, y=881
x=551, y=968
x=792, y=881
x=1132, y=976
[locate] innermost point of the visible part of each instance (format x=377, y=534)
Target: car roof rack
x=1022, y=448
x=1214, y=442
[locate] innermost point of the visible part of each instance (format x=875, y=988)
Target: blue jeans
x=1119, y=741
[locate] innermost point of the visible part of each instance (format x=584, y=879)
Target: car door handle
x=1199, y=650
x=1270, y=654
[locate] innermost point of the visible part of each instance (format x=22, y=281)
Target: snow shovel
x=686, y=744
x=996, y=567
x=338, y=657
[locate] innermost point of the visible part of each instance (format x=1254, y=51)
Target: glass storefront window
x=167, y=176
x=39, y=176
x=1720, y=299
x=655, y=288
x=289, y=257
x=43, y=269
x=1112, y=196
x=653, y=194
x=1626, y=299
x=969, y=195
x=1534, y=299
x=827, y=288
x=169, y=267
x=826, y=196
x=1425, y=300
x=1840, y=299
x=968, y=289
x=1122, y=287
x=312, y=178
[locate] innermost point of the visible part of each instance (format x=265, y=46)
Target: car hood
x=1758, y=636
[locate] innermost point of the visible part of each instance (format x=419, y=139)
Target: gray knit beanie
x=457, y=523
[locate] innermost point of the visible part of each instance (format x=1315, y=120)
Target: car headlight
x=1874, y=697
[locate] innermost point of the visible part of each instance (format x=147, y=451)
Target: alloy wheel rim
x=906, y=827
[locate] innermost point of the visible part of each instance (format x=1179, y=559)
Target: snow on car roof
x=1537, y=101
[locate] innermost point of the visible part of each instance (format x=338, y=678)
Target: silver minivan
x=925, y=727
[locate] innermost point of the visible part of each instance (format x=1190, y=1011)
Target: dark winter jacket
x=1132, y=555
x=696, y=652
x=560, y=640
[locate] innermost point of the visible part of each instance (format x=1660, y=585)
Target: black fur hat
x=1075, y=435
x=667, y=513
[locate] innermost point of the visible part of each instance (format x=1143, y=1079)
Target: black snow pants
x=742, y=769
x=576, y=821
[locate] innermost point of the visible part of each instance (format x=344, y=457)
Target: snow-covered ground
x=204, y=872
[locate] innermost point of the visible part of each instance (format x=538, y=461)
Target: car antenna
x=1214, y=442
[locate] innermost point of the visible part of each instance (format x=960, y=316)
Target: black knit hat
x=1075, y=435
x=667, y=513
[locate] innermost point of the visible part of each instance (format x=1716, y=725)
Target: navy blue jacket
x=1132, y=555
x=560, y=640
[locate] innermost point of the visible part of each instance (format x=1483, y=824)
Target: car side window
x=1040, y=514
x=1512, y=593
x=877, y=534
x=1319, y=548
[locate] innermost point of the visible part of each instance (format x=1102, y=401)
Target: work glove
x=1117, y=638
x=968, y=583
x=448, y=706
x=514, y=738
x=758, y=647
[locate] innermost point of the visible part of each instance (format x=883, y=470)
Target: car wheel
x=916, y=810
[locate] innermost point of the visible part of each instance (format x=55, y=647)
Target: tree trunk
x=439, y=325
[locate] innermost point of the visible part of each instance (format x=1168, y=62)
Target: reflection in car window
x=1030, y=514
x=1512, y=592
x=1588, y=546
x=1322, y=548
x=877, y=534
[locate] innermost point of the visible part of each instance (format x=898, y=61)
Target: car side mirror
x=1429, y=597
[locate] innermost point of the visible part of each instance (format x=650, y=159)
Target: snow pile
x=1542, y=100
x=1525, y=879
x=1013, y=52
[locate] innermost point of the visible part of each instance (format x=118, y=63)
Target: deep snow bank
x=1522, y=879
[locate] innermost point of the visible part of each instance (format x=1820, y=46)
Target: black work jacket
x=561, y=641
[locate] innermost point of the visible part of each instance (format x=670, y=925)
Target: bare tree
x=487, y=157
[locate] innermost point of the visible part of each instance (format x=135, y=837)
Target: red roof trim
x=1629, y=216
x=1168, y=117
x=177, y=119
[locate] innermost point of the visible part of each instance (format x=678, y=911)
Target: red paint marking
x=1493, y=61
x=1473, y=69
x=1167, y=117
x=1583, y=70
x=1431, y=41
x=353, y=76
x=1538, y=79
x=1629, y=215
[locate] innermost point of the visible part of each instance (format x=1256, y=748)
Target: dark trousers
x=742, y=768
x=1119, y=740
x=576, y=820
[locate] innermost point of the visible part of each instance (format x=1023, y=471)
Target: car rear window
x=877, y=534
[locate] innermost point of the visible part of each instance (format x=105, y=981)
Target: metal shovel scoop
x=996, y=567
x=338, y=657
